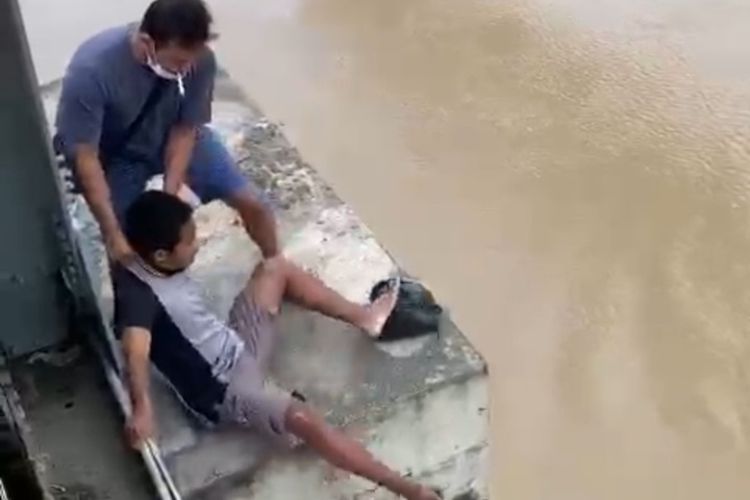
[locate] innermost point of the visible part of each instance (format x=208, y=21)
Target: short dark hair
x=184, y=22
x=154, y=221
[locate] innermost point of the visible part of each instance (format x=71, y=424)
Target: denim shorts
x=212, y=174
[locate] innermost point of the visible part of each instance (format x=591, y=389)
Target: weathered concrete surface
x=418, y=412
x=420, y=405
x=73, y=429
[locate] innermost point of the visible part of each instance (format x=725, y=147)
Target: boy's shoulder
x=127, y=285
x=136, y=304
x=124, y=276
x=135, y=280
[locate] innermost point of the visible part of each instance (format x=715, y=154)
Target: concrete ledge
x=416, y=412
x=437, y=436
x=75, y=434
x=420, y=405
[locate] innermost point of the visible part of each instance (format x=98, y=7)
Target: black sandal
x=415, y=313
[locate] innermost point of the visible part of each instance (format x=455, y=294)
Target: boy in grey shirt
x=218, y=368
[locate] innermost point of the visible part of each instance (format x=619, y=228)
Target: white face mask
x=162, y=72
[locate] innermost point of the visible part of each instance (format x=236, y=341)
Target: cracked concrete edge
x=465, y=488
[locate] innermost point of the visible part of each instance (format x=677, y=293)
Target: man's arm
x=195, y=111
x=259, y=222
x=136, y=343
x=96, y=191
x=177, y=156
x=79, y=125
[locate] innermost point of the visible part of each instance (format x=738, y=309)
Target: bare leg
x=347, y=454
x=277, y=278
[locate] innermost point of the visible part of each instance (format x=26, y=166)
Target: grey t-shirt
x=190, y=346
x=104, y=89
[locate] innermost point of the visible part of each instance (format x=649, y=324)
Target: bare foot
x=379, y=310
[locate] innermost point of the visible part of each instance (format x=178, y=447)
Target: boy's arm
x=136, y=343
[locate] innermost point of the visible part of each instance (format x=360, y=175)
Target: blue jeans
x=212, y=174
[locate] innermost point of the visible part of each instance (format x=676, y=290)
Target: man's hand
x=259, y=221
x=140, y=426
x=177, y=155
x=119, y=249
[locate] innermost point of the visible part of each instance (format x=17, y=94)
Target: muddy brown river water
x=572, y=179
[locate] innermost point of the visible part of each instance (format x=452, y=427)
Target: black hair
x=154, y=221
x=184, y=22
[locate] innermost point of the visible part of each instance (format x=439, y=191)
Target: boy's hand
x=140, y=427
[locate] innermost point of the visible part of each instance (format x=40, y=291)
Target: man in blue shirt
x=135, y=103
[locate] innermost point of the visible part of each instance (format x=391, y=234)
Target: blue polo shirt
x=105, y=87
